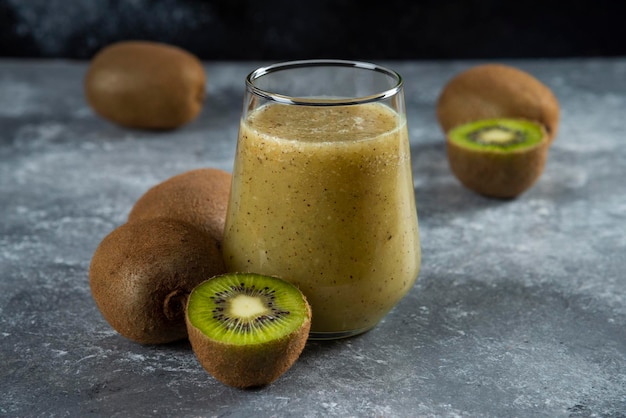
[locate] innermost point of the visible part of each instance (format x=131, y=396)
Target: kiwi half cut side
x=247, y=329
x=498, y=157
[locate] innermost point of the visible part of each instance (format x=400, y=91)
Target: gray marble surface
x=520, y=308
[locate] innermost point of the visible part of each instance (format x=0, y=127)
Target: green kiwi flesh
x=247, y=329
x=499, y=158
x=503, y=135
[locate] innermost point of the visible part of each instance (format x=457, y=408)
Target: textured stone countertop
x=519, y=310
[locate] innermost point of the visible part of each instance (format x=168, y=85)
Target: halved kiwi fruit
x=198, y=196
x=142, y=272
x=247, y=329
x=498, y=157
x=499, y=122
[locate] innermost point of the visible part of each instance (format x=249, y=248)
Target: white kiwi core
x=245, y=306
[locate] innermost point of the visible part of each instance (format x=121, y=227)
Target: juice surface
x=323, y=197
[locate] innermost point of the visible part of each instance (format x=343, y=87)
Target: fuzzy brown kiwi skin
x=199, y=197
x=492, y=91
x=497, y=174
x=249, y=366
x=142, y=273
x=145, y=85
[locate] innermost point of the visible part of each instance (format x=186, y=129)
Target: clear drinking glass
x=322, y=192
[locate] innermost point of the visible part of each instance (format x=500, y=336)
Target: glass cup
x=322, y=190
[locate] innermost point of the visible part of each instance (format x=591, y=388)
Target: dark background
x=295, y=29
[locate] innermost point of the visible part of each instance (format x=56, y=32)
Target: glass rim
x=312, y=101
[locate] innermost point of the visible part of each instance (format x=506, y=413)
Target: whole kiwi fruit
x=142, y=273
x=491, y=91
x=198, y=196
x=145, y=85
x=247, y=329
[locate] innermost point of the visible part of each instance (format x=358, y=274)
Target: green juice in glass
x=323, y=197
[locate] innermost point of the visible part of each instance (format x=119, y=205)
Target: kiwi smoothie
x=322, y=196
